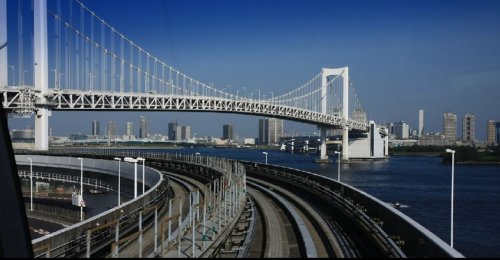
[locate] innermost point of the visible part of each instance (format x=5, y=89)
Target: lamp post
x=266, y=156
x=198, y=154
x=132, y=160
x=338, y=162
x=143, y=162
x=452, y=187
x=119, y=183
x=81, y=188
x=31, y=184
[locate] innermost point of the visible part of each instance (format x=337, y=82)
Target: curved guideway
x=328, y=241
x=277, y=244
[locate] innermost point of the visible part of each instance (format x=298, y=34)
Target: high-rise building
x=95, y=128
x=270, y=130
x=450, y=128
x=497, y=132
x=172, y=128
x=227, y=132
x=185, y=132
x=401, y=130
x=262, y=132
x=178, y=133
x=468, y=128
x=111, y=129
x=143, y=130
x=130, y=130
x=390, y=128
x=491, y=135
x=420, y=122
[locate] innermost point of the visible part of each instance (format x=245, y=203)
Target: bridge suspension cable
x=102, y=58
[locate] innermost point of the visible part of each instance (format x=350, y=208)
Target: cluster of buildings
x=176, y=132
x=270, y=132
x=400, y=132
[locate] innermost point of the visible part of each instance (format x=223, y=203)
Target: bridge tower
x=41, y=74
x=344, y=73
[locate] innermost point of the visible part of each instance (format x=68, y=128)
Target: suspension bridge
x=80, y=62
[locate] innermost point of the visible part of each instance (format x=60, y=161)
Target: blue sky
x=402, y=56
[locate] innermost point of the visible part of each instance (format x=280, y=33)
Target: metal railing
x=75, y=240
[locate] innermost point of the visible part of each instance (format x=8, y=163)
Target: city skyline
x=419, y=55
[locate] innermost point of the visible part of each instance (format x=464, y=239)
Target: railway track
x=287, y=222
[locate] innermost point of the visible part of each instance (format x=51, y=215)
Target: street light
x=119, y=183
x=81, y=188
x=197, y=157
x=266, y=156
x=143, y=162
x=132, y=160
x=31, y=183
x=338, y=162
x=452, y=186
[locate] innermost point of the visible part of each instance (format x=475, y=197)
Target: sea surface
x=421, y=184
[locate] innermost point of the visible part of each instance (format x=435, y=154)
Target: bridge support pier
x=345, y=143
x=386, y=143
x=323, y=157
x=42, y=129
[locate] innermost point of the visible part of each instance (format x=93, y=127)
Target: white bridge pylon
x=326, y=73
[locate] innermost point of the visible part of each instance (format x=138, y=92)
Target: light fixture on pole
x=452, y=187
x=338, y=162
x=143, y=180
x=266, y=156
x=132, y=160
x=31, y=184
x=119, y=183
x=81, y=188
